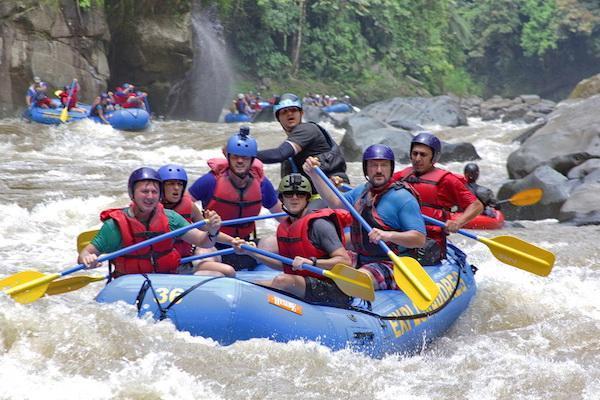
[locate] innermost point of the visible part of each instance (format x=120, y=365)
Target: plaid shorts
x=383, y=272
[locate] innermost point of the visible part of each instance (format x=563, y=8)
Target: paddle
x=512, y=251
x=524, y=198
x=29, y=290
x=410, y=276
x=33, y=289
x=77, y=282
x=64, y=114
x=86, y=237
x=350, y=281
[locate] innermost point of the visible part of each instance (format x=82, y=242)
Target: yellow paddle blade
x=85, y=238
x=30, y=291
x=19, y=278
x=351, y=281
x=521, y=254
x=64, y=114
x=527, y=197
x=413, y=280
x=73, y=283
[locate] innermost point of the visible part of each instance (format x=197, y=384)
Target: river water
x=523, y=337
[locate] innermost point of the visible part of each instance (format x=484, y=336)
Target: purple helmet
x=431, y=141
x=378, y=152
x=173, y=172
x=287, y=100
x=143, y=174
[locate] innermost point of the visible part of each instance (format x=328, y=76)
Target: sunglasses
x=289, y=195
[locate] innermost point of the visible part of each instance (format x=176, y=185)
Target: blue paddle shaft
x=168, y=235
x=283, y=259
x=223, y=252
x=350, y=208
x=240, y=221
x=440, y=223
x=139, y=245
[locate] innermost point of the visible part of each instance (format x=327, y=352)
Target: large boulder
x=586, y=88
x=414, y=112
x=363, y=131
x=56, y=41
x=556, y=189
x=570, y=137
x=156, y=53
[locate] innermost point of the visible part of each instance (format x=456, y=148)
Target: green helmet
x=295, y=183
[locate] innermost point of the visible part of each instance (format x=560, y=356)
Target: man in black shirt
x=304, y=139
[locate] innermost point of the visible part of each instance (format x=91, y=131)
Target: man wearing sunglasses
x=304, y=139
x=309, y=237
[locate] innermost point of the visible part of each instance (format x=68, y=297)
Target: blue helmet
x=431, y=141
x=378, y=152
x=173, y=172
x=287, y=100
x=143, y=174
x=242, y=144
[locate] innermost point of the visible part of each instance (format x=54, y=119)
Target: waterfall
x=206, y=88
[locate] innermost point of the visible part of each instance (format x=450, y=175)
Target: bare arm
x=409, y=239
x=470, y=212
x=338, y=256
x=321, y=187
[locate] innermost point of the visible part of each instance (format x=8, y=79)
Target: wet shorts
x=383, y=272
x=325, y=292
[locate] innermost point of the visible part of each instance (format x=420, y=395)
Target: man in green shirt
x=143, y=219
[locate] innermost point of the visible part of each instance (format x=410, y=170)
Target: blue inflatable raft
x=232, y=309
x=127, y=119
x=338, y=108
x=236, y=117
x=51, y=116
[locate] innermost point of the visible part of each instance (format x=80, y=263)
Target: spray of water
x=206, y=87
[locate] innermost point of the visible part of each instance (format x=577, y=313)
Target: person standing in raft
x=304, y=139
x=483, y=194
x=236, y=187
x=143, y=219
x=439, y=191
x=390, y=208
x=314, y=238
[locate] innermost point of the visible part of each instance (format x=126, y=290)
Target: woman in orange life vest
x=315, y=238
x=439, y=191
x=143, y=219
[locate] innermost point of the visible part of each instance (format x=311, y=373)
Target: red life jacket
x=231, y=202
x=366, y=205
x=160, y=257
x=293, y=237
x=426, y=186
x=184, y=208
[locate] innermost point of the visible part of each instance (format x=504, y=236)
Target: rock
x=583, y=170
x=586, y=88
x=363, y=131
x=417, y=111
x=458, y=152
x=556, y=191
x=583, y=206
x=570, y=137
x=530, y=99
x=514, y=112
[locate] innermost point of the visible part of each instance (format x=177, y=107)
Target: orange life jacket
x=231, y=202
x=293, y=237
x=160, y=257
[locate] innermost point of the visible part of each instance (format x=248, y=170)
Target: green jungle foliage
x=462, y=46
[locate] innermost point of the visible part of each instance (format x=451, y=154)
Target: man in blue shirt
x=391, y=209
x=236, y=187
